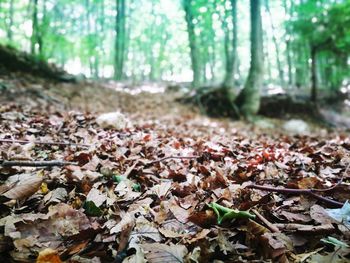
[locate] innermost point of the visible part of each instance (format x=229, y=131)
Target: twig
x=337, y=184
x=46, y=143
x=5, y=163
x=272, y=227
x=309, y=229
x=172, y=157
x=308, y=192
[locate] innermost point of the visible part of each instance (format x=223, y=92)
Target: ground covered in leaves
x=172, y=186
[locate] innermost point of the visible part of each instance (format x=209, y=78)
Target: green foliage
x=80, y=35
x=227, y=214
x=91, y=209
x=326, y=27
x=333, y=241
x=118, y=178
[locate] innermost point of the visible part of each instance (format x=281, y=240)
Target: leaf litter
x=169, y=188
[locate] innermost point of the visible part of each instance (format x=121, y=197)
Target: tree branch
x=172, y=157
x=5, y=163
x=308, y=192
x=272, y=227
x=45, y=143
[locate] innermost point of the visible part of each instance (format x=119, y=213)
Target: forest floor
x=170, y=186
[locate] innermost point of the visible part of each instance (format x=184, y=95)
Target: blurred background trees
x=295, y=47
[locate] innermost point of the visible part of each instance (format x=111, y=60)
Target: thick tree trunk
x=248, y=100
x=231, y=54
x=192, y=42
x=120, y=40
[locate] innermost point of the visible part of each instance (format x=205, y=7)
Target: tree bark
x=10, y=21
x=288, y=45
x=231, y=55
x=313, y=74
x=274, y=39
x=35, y=29
x=192, y=42
x=120, y=40
x=248, y=101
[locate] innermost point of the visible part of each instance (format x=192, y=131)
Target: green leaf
x=91, y=209
x=118, y=178
x=335, y=242
x=227, y=214
x=136, y=187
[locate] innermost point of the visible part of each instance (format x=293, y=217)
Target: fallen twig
x=5, y=163
x=308, y=192
x=272, y=227
x=309, y=229
x=172, y=157
x=46, y=143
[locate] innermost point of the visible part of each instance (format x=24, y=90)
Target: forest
x=174, y=131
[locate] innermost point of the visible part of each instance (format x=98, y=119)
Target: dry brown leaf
x=170, y=233
x=275, y=245
x=24, y=189
x=160, y=253
x=319, y=215
x=310, y=229
x=308, y=183
x=48, y=255
x=293, y=217
x=180, y=214
x=146, y=229
x=198, y=236
x=96, y=196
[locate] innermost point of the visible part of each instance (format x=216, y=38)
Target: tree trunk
x=274, y=39
x=40, y=32
x=313, y=75
x=35, y=29
x=192, y=42
x=288, y=45
x=231, y=54
x=10, y=21
x=120, y=40
x=248, y=100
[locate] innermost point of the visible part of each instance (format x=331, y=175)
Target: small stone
x=264, y=124
x=296, y=126
x=114, y=120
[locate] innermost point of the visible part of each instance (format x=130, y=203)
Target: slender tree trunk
x=313, y=74
x=248, y=100
x=120, y=40
x=10, y=21
x=230, y=54
x=152, y=40
x=35, y=25
x=40, y=32
x=275, y=42
x=91, y=38
x=192, y=42
x=288, y=46
x=267, y=61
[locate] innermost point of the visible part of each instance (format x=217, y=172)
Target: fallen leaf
x=48, y=255
x=159, y=253
x=24, y=189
